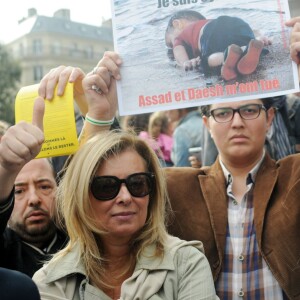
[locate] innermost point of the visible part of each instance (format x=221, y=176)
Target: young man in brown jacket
x=244, y=208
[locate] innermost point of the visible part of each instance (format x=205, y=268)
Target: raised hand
x=295, y=38
x=20, y=144
x=100, y=87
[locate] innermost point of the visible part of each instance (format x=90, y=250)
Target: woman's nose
x=124, y=195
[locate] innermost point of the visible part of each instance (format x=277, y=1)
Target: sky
x=84, y=11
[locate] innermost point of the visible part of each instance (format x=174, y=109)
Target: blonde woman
x=113, y=202
x=158, y=138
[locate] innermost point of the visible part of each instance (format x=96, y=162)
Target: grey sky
x=87, y=11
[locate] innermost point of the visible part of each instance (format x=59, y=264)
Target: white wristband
x=99, y=122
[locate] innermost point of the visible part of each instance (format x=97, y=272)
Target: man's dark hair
x=272, y=101
x=204, y=109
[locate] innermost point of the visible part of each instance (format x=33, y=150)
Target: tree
x=10, y=74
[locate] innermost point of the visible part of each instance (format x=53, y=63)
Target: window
x=37, y=47
x=21, y=50
x=37, y=73
x=56, y=48
x=74, y=52
x=90, y=52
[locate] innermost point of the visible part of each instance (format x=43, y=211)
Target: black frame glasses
x=106, y=188
x=246, y=112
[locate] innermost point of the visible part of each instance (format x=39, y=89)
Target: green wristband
x=99, y=122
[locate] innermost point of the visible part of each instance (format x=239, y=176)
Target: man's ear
x=206, y=122
x=270, y=116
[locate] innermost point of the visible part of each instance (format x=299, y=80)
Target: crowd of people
x=125, y=221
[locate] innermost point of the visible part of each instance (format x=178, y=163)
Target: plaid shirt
x=245, y=274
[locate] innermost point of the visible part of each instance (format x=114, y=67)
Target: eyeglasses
x=246, y=112
x=106, y=188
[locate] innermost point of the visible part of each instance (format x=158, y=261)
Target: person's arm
x=99, y=104
x=102, y=104
x=20, y=144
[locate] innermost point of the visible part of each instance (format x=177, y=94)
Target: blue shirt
x=186, y=135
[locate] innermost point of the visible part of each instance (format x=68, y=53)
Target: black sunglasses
x=106, y=188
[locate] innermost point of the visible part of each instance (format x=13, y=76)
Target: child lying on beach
x=227, y=41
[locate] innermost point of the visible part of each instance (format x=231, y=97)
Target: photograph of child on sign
x=181, y=53
x=225, y=43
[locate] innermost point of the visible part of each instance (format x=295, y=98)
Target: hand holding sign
x=100, y=87
x=59, y=122
x=22, y=142
x=58, y=78
x=295, y=38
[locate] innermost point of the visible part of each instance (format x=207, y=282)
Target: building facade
x=47, y=42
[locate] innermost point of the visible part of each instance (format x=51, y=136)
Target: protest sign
x=152, y=80
x=59, y=120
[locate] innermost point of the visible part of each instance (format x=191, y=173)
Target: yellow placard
x=59, y=120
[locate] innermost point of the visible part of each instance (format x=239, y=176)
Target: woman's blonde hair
x=158, y=117
x=75, y=209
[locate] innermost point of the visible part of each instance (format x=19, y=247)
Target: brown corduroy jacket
x=198, y=198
